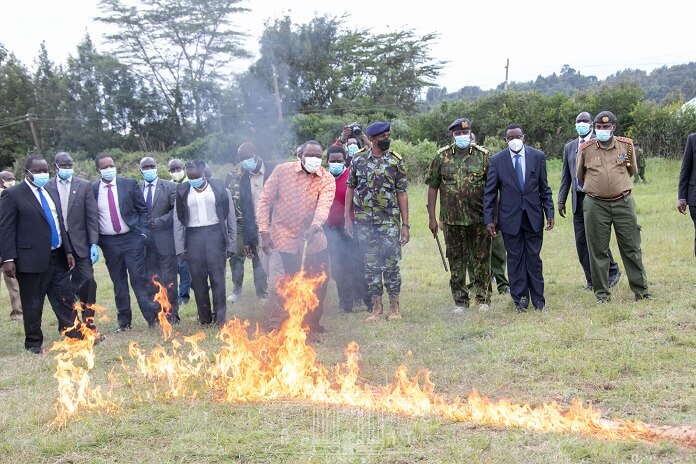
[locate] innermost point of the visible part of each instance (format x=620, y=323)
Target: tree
x=184, y=47
x=16, y=98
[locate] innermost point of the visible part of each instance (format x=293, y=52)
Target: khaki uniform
x=13, y=290
x=605, y=173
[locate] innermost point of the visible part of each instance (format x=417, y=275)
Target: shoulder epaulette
x=445, y=149
x=361, y=151
x=396, y=155
x=587, y=144
x=483, y=150
x=623, y=139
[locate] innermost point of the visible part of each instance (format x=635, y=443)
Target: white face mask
x=312, y=163
x=9, y=183
x=515, y=145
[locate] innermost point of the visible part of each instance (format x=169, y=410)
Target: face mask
x=603, y=134
x=149, y=174
x=515, y=145
x=312, y=164
x=40, y=178
x=196, y=183
x=249, y=164
x=352, y=149
x=337, y=168
x=108, y=174
x=10, y=183
x=65, y=174
x=177, y=175
x=462, y=141
x=384, y=144
x=583, y=128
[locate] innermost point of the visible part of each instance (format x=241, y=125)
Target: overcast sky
x=476, y=38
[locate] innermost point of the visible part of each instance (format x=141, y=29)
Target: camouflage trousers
x=469, y=246
x=381, y=245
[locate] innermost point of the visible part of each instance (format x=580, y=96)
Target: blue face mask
x=40, y=178
x=65, y=174
x=583, y=128
x=352, y=149
x=196, y=183
x=337, y=168
x=149, y=174
x=108, y=174
x=603, y=134
x=249, y=164
x=462, y=141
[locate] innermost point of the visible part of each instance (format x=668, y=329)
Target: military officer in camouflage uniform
x=459, y=173
x=604, y=169
x=377, y=195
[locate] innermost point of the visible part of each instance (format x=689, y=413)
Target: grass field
x=634, y=361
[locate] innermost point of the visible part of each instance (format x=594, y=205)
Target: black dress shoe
x=36, y=350
x=646, y=297
x=603, y=300
x=521, y=309
x=615, y=280
x=539, y=308
x=588, y=286
x=122, y=329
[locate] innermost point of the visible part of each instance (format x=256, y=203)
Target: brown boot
x=394, y=313
x=376, y=309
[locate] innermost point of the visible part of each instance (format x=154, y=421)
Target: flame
x=281, y=365
x=75, y=360
x=162, y=299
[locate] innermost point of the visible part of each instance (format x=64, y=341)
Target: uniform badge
x=605, y=118
x=622, y=159
x=465, y=124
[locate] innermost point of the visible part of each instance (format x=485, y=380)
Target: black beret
x=605, y=117
x=459, y=124
x=377, y=128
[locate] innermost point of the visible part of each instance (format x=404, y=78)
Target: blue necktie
x=49, y=216
x=518, y=171
x=149, y=197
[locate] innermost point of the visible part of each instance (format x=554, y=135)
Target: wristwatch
x=408, y=226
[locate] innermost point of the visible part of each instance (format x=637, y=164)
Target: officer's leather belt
x=616, y=198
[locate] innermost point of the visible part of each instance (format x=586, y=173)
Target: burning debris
x=280, y=365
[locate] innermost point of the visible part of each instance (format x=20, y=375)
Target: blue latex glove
x=94, y=253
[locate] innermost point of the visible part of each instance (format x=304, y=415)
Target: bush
x=416, y=158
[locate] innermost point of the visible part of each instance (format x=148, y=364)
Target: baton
x=442, y=255
x=304, y=255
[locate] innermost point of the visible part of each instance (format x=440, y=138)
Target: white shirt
x=581, y=140
x=64, y=187
x=145, y=189
x=201, y=207
x=522, y=161
x=51, y=205
x=106, y=227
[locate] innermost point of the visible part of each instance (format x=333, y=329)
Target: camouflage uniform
x=376, y=181
x=640, y=161
x=460, y=176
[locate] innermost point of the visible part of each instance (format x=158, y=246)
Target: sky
x=475, y=38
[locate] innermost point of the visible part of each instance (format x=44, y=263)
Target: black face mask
x=384, y=144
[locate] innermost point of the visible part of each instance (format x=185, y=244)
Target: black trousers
x=525, y=270
x=206, y=253
x=124, y=258
x=581, y=243
x=33, y=289
x=85, y=287
x=347, y=268
x=692, y=211
x=237, y=269
x=166, y=268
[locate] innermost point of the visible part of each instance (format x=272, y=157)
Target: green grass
x=631, y=360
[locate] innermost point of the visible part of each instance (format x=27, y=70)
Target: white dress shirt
x=522, y=161
x=201, y=207
x=106, y=227
x=64, y=187
x=145, y=188
x=51, y=205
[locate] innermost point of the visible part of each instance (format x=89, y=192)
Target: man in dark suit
x=517, y=184
x=123, y=228
x=205, y=235
x=569, y=184
x=37, y=251
x=160, y=256
x=687, y=180
x=81, y=221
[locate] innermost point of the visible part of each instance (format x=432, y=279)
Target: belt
x=621, y=196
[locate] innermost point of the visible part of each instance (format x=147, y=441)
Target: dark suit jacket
x=25, y=234
x=225, y=213
x=569, y=179
x=501, y=182
x=83, y=217
x=162, y=225
x=130, y=203
x=687, y=175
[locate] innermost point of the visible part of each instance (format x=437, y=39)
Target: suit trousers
x=237, y=268
x=206, y=255
x=600, y=216
x=287, y=264
x=581, y=243
x=85, y=287
x=33, y=289
x=184, y=279
x=525, y=269
x=124, y=258
x=692, y=211
x=13, y=290
x=165, y=267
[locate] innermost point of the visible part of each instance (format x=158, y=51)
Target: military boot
x=376, y=309
x=394, y=313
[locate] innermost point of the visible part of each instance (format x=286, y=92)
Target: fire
x=165, y=308
x=281, y=365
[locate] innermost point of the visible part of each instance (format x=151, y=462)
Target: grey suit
x=160, y=256
x=569, y=184
x=82, y=227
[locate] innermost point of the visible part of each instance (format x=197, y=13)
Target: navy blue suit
x=520, y=217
